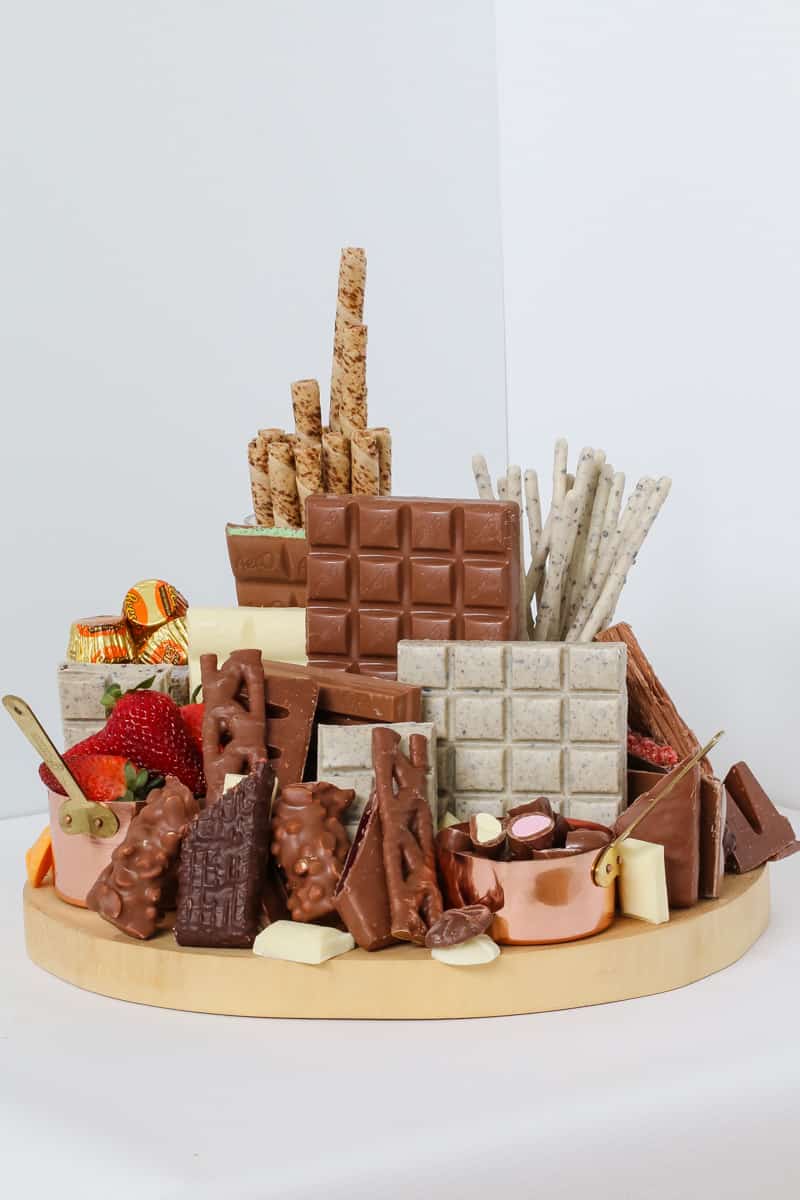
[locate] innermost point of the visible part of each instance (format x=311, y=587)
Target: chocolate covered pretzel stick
x=234, y=717
x=409, y=858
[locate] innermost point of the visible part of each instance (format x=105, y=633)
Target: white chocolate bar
x=643, y=881
x=475, y=952
x=293, y=941
x=344, y=757
x=279, y=633
x=516, y=720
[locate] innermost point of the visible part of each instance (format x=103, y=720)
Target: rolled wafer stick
x=636, y=533
x=258, y=459
x=283, y=483
x=364, y=463
x=308, y=469
x=353, y=400
x=483, y=479
x=335, y=463
x=349, y=311
x=307, y=413
x=383, y=437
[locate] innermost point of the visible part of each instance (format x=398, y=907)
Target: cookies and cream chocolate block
x=81, y=687
x=382, y=568
x=279, y=633
x=344, y=757
x=517, y=720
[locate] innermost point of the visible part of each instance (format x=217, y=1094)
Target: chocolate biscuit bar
x=382, y=568
x=223, y=866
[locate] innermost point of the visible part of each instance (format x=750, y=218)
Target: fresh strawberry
x=147, y=727
x=104, y=777
x=192, y=717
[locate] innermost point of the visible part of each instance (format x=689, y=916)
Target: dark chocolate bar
x=223, y=866
x=382, y=568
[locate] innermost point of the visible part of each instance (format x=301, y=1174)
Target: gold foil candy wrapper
x=100, y=640
x=167, y=644
x=152, y=602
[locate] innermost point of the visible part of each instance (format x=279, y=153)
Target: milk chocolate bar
x=234, y=717
x=137, y=887
x=310, y=845
x=675, y=824
x=223, y=865
x=382, y=568
x=361, y=897
x=268, y=564
x=291, y=704
x=346, y=699
x=755, y=831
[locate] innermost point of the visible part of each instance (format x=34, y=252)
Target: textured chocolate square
x=344, y=758
x=517, y=720
x=382, y=568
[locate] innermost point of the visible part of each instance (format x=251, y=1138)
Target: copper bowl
x=541, y=901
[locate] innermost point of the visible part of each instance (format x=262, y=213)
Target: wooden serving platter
x=630, y=959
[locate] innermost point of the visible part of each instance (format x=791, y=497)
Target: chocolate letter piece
x=674, y=824
x=134, y=891
x=291, y=704
x=310, y=845
x=409, y=857
x=223, y=864
x=382, y=568
x=755, y=831
x=234, y=718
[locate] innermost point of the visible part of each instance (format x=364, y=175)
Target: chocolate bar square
x=382, y=568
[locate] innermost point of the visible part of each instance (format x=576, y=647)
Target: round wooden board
x=630, y=959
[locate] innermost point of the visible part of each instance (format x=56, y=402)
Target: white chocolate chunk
x=447, y=820
x=293, y=941
x=487, y=827
x=643, y=881
x=475, y=952
x=279, y=633
x=230, y=781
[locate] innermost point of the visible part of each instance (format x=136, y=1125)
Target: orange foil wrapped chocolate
x=100, y=639
x=169, y=643
x=152, y=602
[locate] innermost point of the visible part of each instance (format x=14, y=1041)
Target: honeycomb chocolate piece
x=234, y=717
x=138, y=886
x=223, y=866
x=310, y=845
x=382, y=568
x=755, y=831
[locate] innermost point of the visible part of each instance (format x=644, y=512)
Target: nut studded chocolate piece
x=269, y=565
x=310, y=845
x=234, y=718
x=223, y=865
x=409, y=857
x=381, y=568
x=135, y=890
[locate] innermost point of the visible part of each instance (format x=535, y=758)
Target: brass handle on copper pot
x=606, y=869
x=76, y=814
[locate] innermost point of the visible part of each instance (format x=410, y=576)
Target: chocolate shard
x=409, y=857
x=650, y=707
x=223, y=865
x=234, y=717
x=361, y=896
x=674, y=823
x=713, y=808
x=755, y=832
x=137, y=887
x=310, y=845
x=457, y=925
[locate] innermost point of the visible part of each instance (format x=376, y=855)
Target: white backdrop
x=178, y=181
x=651, y=192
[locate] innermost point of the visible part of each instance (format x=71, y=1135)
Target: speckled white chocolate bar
x=81, y=687
x=344, y=757
x=516, y=720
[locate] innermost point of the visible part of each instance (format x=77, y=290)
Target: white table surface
x=695, y=1093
